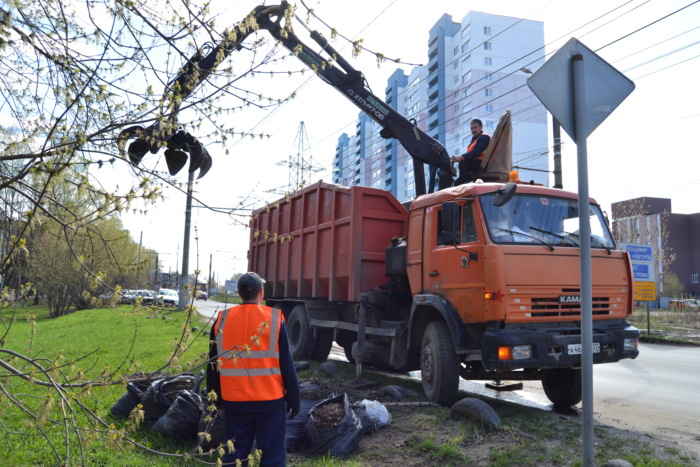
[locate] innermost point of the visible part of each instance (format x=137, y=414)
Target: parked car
x=692, y=303
x=128, y=296
x=147, y=296
x=202, y=295
x=168, y=297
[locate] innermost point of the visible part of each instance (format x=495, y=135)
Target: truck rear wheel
x=301, y=339
x=324, y=342
x=439, y=365
x=374, y=355
x=563, y=387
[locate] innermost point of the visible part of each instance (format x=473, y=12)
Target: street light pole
x=184, y=279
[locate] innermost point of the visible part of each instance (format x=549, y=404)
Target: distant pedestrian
x=470, y=161
x=252, y=372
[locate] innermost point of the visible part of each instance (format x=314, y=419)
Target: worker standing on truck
x=470, y=161
x=252, y=372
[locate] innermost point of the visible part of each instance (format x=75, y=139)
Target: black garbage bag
x=129, y=400
x=181, y=421
x=332, y=428
x=161, y=394
x=296, y=427
x=211, y=431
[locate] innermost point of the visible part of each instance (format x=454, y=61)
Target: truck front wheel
x=563, y=386
x=301, y=339
x=439, y=365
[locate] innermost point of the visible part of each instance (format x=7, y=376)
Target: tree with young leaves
x=73, y=75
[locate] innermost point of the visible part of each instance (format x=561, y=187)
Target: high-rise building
x=476, y=68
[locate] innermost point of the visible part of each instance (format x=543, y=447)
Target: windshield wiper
x=595, y=240
x=514, y=233
x=554, y=234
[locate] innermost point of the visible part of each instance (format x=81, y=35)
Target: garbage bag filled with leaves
x=129, y=400
x=212, y=430
x=162, y=393
x=181, y=421
x=332, y=428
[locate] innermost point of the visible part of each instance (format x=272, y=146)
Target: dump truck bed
x=325, y=241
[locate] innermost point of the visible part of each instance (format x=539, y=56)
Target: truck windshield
x=530, y=219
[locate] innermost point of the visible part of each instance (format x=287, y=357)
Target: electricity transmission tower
x=301, y=166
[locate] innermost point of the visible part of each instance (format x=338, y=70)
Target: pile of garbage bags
x=175, y=407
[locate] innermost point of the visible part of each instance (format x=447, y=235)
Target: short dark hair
x=249, y=285
x=477, y=121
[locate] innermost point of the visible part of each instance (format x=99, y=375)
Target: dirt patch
x=424, y=434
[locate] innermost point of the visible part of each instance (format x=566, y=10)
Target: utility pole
x=209, y=281
x=138, y=262
x=184, y=279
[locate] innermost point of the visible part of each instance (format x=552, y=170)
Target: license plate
x=575, y=349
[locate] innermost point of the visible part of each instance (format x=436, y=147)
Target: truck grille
x=547, y=305
x=550, y=306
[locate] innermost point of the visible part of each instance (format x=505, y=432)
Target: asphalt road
x=657, y=394
x=209, y=308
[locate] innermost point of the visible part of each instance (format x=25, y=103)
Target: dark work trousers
x=267, y=429
x=467, y=171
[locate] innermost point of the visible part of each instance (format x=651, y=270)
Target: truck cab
x=508, y=271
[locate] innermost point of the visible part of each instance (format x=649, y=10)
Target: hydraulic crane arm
x=348, y=81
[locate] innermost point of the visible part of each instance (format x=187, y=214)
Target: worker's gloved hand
x=293, y=408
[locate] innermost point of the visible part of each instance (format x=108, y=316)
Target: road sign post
x=561, y=85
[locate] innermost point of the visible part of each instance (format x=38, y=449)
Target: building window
x=487, y=61
x=694, y=278
x=468, y=91
x=467, y=77
x=465, y=31
x=456, y=51
x=488, y=92
x=489, y=124
x=488, y=77
x=465, y=62
x=487, y=30
x=487, y=45
x=467, y=107
x=465, y=47
x=456, y=108
x=489, y=108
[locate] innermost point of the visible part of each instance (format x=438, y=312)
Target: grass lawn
x=45, y=426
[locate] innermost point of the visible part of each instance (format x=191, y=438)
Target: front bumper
x=550, y=347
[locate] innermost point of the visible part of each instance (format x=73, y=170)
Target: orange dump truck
x=479, y=281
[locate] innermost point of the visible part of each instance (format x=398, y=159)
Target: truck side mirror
x=449, y=218
x=505, y=194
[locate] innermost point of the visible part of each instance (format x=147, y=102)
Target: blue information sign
x=640, y=253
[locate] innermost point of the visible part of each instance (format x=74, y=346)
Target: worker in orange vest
x=470, y=161
x=252, y=372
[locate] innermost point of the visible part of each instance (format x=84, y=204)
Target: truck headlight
x=518, y=352
x=631, y=345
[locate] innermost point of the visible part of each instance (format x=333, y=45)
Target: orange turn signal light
x=505, y=353
x=513, y=176
x=488, y=295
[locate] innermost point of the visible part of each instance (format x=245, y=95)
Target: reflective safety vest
x=473, y=143
x=249, y=375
